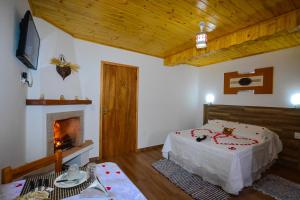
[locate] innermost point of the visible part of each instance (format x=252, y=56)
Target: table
x=114, y=179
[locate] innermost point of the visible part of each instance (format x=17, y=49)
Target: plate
x=83, y=175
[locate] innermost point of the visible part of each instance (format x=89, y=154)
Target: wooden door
x=118, y=131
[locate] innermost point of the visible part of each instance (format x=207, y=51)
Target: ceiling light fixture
x=201, y=38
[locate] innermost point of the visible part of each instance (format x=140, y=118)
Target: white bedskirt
x=232, y=170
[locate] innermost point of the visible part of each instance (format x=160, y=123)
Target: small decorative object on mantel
x=76, y=98
x=62, y=97
x=260, y=81
x=42, y=96
x=63, y=67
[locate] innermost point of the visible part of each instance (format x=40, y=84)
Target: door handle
x=105, y=110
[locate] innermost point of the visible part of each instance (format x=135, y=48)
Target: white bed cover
x=232, y=163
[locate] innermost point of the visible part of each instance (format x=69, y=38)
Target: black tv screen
x=29, y=43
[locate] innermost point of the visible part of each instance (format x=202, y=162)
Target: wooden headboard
x=283, y=121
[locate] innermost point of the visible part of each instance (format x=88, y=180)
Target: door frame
x=101, y=101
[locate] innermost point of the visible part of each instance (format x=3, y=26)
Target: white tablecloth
x=114, y=179
x=116, y=182
x=11, y=190
x=230, y=166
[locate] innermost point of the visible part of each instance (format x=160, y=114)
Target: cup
x=91, y=171
x=73, y=172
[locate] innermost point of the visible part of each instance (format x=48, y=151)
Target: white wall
x=167, y=96
x=12, y=92
x=286, y=79
x=46, y=81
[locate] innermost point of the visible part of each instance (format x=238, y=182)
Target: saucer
x=83, y=176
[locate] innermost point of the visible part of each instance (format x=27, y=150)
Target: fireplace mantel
x=76, y=151
x=53, y=102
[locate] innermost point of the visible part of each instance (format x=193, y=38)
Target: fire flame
x=57, y=144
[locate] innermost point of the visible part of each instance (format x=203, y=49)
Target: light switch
x=297, y=136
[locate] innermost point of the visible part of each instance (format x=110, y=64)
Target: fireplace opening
x=66, y=133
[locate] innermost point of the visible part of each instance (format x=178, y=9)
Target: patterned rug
x=279, y=188
x=190, y=183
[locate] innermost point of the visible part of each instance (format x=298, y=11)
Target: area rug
x=279, y=188
x=190, y=183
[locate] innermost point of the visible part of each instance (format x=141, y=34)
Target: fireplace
x=64, y=130
x=66, y=133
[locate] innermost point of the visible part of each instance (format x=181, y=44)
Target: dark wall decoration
x=260, y=81
x=63, y=67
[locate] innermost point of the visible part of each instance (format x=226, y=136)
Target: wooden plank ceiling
x=167, y=28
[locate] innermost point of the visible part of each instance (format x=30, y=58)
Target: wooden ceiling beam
x=273, y=34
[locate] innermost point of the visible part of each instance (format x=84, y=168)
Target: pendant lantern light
x=201, y=38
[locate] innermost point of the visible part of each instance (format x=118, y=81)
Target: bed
x=232, y=161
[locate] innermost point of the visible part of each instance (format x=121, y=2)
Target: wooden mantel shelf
x=76, y=151
x=53, y=102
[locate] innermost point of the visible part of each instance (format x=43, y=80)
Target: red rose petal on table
x=108, y=188
x=118, y=172
x=107, y=172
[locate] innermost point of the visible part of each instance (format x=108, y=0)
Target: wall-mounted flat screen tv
x=29, y=43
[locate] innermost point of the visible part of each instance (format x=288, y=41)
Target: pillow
x=222, y=123
x=246, y=130
x=217, y=125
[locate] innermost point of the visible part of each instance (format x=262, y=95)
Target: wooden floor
x=155, y=186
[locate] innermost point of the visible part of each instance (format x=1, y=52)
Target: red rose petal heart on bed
x=107, y=172
x=118, y=172
x=233, y=140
